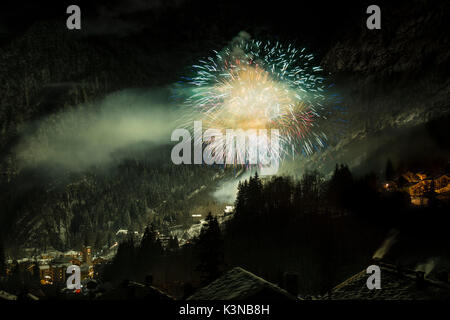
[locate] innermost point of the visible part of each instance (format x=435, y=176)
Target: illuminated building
x=46, y=274
x=420, y=186
x=87, y=255
x=419, y=190
x=59, y=267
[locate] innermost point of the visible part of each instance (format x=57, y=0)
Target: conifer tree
x=209, y=249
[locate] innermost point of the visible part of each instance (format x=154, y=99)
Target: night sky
x=317, y=23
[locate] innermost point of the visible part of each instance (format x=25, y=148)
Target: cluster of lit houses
x=53, y=265
x=420, y=185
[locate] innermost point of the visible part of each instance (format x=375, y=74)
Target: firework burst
x=260, y=85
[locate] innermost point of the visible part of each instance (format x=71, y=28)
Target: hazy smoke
x=90, y=134
x=227, y=191
x=426, y=267
x=237, y=51
x=387, y=244
x=242, y=36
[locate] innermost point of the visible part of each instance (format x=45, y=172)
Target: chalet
x=418, y=190
x=59, y=267
x=419, y=185
x=396, y=284
x=130, y=290
x=239, y=284
x=46, y=274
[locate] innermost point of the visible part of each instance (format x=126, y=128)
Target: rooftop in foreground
x=396, y=284
x=239, y=284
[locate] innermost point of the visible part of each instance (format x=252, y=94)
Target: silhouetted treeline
x=322, y=230
x=209, y=251
x=202, y=260
x=304, y=226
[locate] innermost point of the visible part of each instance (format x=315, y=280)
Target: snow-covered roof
x=395, y=285
x=71, y=253
x=51, y=252
x=124, y=231
x=239, y=284
x=229, y=209
x=61, y=261
x=138, y=291
x=7, y=296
